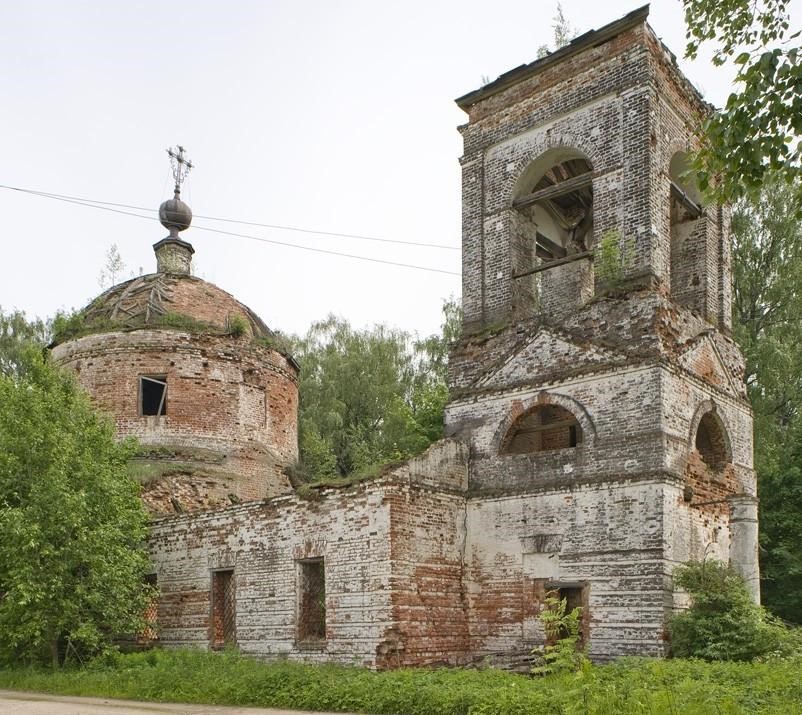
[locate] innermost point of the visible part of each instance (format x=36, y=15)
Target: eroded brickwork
x=645, y=368
x=230, y=426
x=598, y=432
x=391, y=551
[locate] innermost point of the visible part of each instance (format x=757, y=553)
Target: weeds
x=565, y=654
x=237, y=325
x=626, y=687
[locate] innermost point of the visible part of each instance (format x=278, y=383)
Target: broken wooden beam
x=555, y=190
x=553, y=264
x=557, y=424
x=694, y=209
x=556, y=250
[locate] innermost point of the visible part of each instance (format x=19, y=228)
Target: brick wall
x=623, y=105
x=392, y=554
x=428, y=550
x=608, y=537
x=231, y=420
x=263, y=543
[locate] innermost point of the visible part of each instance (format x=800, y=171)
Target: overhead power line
x=110, y=207
x=278, y=227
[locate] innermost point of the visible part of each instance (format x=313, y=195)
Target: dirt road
x=19, y=703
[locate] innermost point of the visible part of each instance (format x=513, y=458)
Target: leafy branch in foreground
x=759, y=131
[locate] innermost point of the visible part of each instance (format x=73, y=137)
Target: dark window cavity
x=312, y=605
x=153, y=395
x=711, y=443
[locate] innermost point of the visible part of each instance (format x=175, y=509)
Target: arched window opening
x=558, y=204
x=686, y=199
x=711, y=443
x=545, y=428
x=687, y=236
x=552, y=232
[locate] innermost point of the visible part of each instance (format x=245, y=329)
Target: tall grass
x=627, y=687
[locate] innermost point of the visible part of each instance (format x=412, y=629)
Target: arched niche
x=542, y=429
x=712, y=443
x=552, y=223
x=710, y=476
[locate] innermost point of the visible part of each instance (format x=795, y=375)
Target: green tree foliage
x=767, y=268
x=758, y=133
x=722, y=622
x=368, y=397
x=17, y=334
x=72, y=526
x=781, y=533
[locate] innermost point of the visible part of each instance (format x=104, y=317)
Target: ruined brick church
x=598, y=431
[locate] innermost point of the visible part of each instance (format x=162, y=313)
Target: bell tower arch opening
x=552, y=230
x=687, y=233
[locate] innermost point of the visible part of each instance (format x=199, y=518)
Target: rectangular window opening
x=312, y=606
x=153, y=395
x=575, y=595
x=224, y=623
x=572, y=597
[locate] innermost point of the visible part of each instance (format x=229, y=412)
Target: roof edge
x=588, y=39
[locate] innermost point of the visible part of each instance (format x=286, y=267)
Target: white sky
x=330, y=115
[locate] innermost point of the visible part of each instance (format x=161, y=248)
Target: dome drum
x=191, y=373
x=214, y=417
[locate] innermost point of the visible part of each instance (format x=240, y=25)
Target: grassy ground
x=623, y=688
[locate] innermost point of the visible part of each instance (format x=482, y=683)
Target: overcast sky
x=327, y=115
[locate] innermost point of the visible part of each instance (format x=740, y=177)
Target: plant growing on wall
x=237, y=325
x=112, y=268
x=614, y=258
x=565, y=653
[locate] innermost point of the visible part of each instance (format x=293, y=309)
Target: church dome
x=194, y=375
x=169, y=301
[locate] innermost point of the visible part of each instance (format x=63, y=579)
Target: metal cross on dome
x=180, y=165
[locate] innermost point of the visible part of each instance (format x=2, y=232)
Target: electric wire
x=110, y=208
x=278, y=227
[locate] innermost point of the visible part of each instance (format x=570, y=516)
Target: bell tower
x=597, y=383
x=557, y=161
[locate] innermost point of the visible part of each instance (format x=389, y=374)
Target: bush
x=614, y=258
x=722, y=622
x=237, y=325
